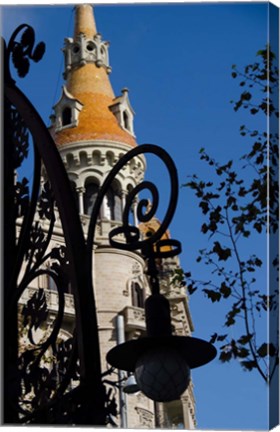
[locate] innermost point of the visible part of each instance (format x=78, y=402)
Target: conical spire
x=88, y=91
x=84, y=21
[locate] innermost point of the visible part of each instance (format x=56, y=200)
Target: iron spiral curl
x=131, y=233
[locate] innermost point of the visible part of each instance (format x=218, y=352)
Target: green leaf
x=204, y=228
x=191, y=289
x=223, y=254
x=254, y=111
x=213, y=338
x=272, y=351
x=250, y=269
x=221, y=338
x=231, y=316
x=262, y=53
x=245, y=339
x=258, y=227
x=242, y=352
x=225, y=290
x=205, y=207
x=246, y=96
x=214, y=296
x=263, y=350
x=267, y=349
x=225, y=356
x=249, y=364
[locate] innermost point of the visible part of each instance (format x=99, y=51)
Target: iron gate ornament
x=78, y=358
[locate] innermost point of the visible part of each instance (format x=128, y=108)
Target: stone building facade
x=93, y=129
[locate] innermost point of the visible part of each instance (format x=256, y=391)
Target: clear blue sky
x=176, y=61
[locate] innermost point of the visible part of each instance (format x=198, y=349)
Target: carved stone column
x=80, y=192
x=135, y=212
x=188, y=414
x=123, y=195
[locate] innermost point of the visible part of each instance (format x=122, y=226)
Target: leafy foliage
x=235, y=208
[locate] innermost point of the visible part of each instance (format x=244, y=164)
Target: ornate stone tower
x=93, y=129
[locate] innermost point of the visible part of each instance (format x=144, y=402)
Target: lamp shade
x=162, y=374
x=196, y=352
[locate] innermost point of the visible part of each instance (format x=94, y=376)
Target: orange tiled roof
x=151, y=227
x=91, y=86
x=96, y=122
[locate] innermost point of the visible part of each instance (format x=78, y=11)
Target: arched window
x=96, y=158
x=110, y=158
x=66, y=116
x=65, y=284
x=51, y=283
x=137, y=295
x=113, y=205
x=83, y=159
x=90, y=197
x=70, y=160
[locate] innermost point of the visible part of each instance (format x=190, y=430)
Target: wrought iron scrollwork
x=22, y=51
x=145, y=209
x=152, y=246
x=41, y=369
x=38, y=372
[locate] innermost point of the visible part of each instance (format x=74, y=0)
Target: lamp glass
x=162, y=374
x=130, y=385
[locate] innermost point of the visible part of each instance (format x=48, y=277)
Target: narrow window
x=74, y=192
x=51, y=283
x=96, y=158
x=109, y=205
x=66, y=116
x=113, y=205
x=90, y=197
x=126, y=120
x=70, y=160
x=118, y=208
x=83, y=159
x=110, y=158
x=137, y=294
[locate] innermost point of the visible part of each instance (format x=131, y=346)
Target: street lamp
x=161, y=362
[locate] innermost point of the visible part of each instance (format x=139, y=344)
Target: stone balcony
x=52, y=300
x=134, y=318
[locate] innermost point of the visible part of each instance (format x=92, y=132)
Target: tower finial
x=88, y=108
x=84, y=21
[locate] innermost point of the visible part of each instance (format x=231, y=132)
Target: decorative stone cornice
x=145, y=417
